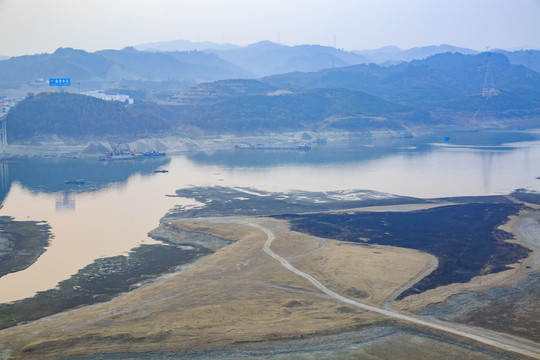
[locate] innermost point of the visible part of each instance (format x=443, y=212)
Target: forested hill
x=448, y=81
x=442, y=90
x=317, y=110
x=80, y=116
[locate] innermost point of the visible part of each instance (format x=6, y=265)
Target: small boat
x=78, y=181
x=161, y=171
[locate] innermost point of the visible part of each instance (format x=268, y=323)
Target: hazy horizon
x=275, y=42
x=38, y=27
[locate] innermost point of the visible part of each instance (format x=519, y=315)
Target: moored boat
x=78, y=181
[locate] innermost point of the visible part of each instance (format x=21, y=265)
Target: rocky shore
x=55, y=146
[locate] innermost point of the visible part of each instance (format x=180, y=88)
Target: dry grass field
x=236, y=295
x=239, y=295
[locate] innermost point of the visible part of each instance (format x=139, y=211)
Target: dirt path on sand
x=492, y=339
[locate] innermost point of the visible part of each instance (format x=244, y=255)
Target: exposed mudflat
x=21, y=243
x=239, y=302
x=100, y=281
x=512, y=309
x=376, y=342
x=222, y=201
x=510, y=306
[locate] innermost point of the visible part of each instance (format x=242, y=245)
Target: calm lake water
x=121, y=201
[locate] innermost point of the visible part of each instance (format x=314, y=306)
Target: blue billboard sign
x=59, y=82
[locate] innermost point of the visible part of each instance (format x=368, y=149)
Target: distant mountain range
x=489, y=89
x=268, y=58
x=114, y=65
x=283, y=58
x=527, y=58
x=206, y=62
x=184, y=45
x=443, y=89
x=430, y=84
x=393, y=54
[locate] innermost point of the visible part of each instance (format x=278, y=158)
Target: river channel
x=119, y=202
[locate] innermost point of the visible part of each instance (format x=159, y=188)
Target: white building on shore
x=108, y=97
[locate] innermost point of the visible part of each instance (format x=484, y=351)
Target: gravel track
x=499, y=341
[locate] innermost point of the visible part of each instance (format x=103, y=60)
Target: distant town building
x=7, y=103
x=108, y=97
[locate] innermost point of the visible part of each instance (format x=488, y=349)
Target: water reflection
x=469, y=163
x=50, y=174
x=487, y=160
x=350, y=151
x=65, y=202
x=5, y=184
x=105, y=222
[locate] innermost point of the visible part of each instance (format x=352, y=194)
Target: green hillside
x=431, y=84
x=79, y=116
x=444, y=89
x=314, y=109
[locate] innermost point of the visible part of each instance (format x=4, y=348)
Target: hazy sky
x=33, y=26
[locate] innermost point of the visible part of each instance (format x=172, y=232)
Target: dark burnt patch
x=464, y=238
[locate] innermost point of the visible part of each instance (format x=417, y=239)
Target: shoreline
x=298, y=301
x=55, y=146
x=183, y=144
x=200, y=287
x=180, y=284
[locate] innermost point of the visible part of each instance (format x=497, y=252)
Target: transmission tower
x=488, y=89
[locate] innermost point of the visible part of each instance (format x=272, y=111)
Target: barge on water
x=153, y=153
x=300, y=147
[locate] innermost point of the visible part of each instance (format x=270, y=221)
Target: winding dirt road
x=491, y=339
